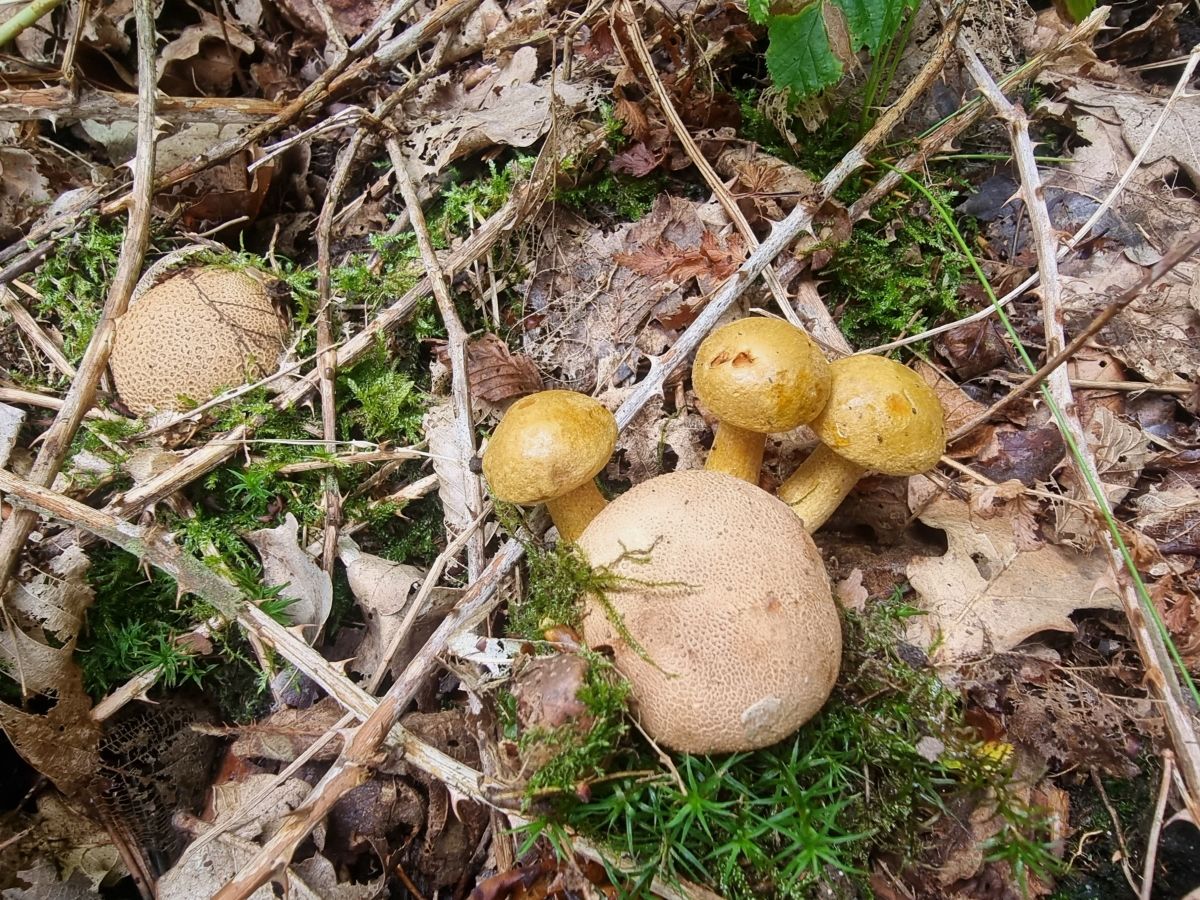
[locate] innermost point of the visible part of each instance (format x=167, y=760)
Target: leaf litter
x=1011, y=601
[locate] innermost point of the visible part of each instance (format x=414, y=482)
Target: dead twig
x=624, y=11
x=1160, y=668
x=785, y=231
x=60, y=104
x=1160, y=810
x=32, y=330
x=56, y=440
x=456, y=348
x=1183, y=249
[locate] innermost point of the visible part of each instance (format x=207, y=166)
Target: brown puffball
x=726, y=597
x=192, y=335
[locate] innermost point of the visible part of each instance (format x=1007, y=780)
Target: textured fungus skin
x=745, y=646
x=548, y=444
x=882, y=416
x=762, y=375
x=192, y=335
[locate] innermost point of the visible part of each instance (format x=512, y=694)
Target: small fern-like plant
x=810, y=41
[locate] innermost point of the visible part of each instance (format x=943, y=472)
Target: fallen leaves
x=286, y=565
x=997, y=584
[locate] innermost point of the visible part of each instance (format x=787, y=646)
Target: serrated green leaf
x=759, y=9
x=872, y=22
x=799, y=56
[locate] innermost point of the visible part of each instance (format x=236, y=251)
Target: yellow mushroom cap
x=194, y=334
x=762, y=375
x=548, y=444
x=727, y=596
x=882, y=416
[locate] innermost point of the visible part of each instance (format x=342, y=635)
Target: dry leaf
x=204, y=58
x=24, y=191
x=850, y=593
x=284, y=734
x=75, y=843
x=285, y=563
x=438, y=428
x=11, y=420
x=229, y=797
x=986, y=594
x=43, y=883
x=1170, y=514
x=382, y=589
x=497, y=374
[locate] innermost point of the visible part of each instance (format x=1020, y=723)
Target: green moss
x=380, y=402
x=900, y=272
x=851, y=784
x=466, y=203
x=417, y=537
x=619, y=197
x=581, y=755
x=73, y=282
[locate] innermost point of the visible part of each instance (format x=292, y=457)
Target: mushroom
x=758, y=376
x=548, y=448
x=880, y=416
x=192, y=335
x=718, y=612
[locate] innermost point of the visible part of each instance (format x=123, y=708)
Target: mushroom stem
x=816, y=489
x=737, y=452
x=573, y=511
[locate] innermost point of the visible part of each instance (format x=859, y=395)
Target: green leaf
x=798, y=55
x=872, y=22
x=1079, y=10
x=759, y=9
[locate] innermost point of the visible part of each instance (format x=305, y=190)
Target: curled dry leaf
x=24, y=191
x=382, y=589
x=987, y=594
x=286, y=564
x=496, y=374
x=851, y=593
x=204, y=58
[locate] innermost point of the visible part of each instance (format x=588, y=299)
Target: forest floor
x=286, y=632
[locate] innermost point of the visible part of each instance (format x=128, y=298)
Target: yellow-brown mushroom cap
x=762, y=375
x=882, y=416
x=726, y=595
x=192, y=335
x=547, y=444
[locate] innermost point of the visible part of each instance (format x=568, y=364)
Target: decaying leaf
x=496, y=373
x=448, y=463
x=986, y=594
x=11, y=420
x=1171, y=515
x=64, y=834
x=228, y=798
x=24, y=190
x=204, y=57
x=285, y=563
x=851, y=593
x=43, y=883
x=382, y=589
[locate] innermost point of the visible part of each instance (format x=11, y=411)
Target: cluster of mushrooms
x=721, y=616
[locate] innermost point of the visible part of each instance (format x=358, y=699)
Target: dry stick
x=1160, y=810
x=354, y=765
x=57, y=438
x=28, y=324
x=326, y=352
x=784, y=233
x=45, y=401
x=456, y=346
x=1160, y=670
x=625, y=12
x=194, y=577
x=1173, y=257
x=60, y=104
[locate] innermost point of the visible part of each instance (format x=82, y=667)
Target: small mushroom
x=548, y=448
x=719, y=614
x=757, y=376
x=881, y=417
x=192, y=335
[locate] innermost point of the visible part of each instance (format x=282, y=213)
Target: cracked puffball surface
x=192, y=335
x=726, y=596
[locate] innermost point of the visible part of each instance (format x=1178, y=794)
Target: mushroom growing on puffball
x=549, y=448
x=192, y=335
x=757, y=376
x=880, y=417
x=719, y=611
